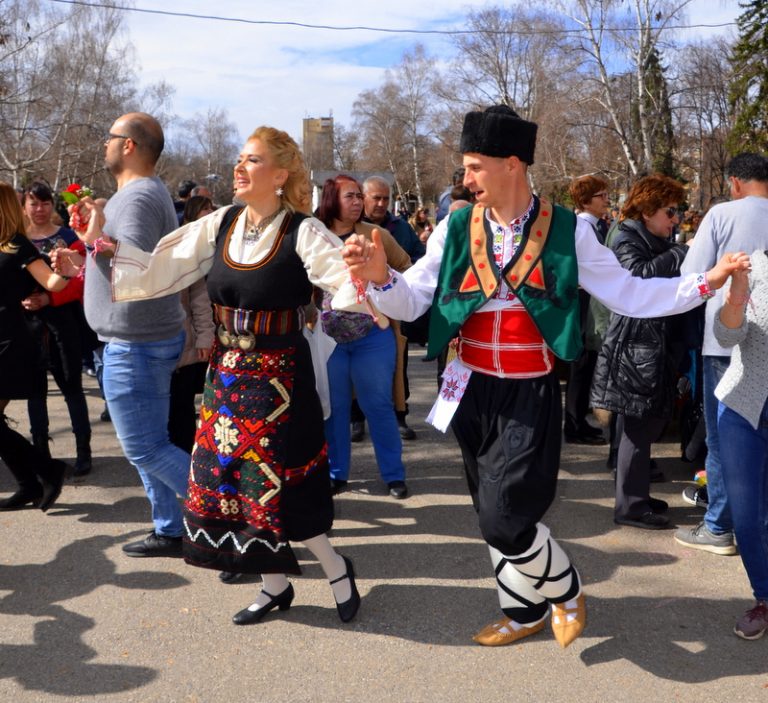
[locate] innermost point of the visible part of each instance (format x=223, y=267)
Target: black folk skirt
x=259, y=476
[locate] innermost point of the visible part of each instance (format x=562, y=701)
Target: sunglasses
x=671, y=212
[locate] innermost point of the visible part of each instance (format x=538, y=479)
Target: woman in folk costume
x=259, y=478
x=503, y=276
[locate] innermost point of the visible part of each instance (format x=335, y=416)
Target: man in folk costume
x=503, y=277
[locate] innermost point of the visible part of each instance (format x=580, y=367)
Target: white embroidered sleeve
x=179, y=259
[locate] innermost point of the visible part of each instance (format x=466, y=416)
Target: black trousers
x=509, y=434
x=633, y=466
x=577, y=389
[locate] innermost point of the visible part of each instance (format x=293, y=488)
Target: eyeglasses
x=601, y=194
x=111, y=136
x=671, y=212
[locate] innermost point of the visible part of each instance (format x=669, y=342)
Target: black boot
x=31, y=468
x=83, y=464
x=23, y=497
x=51, y=475
x=40, y=441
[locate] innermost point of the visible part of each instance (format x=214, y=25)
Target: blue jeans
x=368, y=364
x=718, y=516
x=745, y=468
x=137, y=388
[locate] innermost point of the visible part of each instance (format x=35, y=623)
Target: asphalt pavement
x=81, y=621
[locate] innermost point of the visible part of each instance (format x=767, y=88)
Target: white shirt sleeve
x=179, y=259
x=411, y=292
x=601, y=275
x=320, y=250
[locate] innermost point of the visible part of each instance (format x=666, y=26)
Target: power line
x=363, y=28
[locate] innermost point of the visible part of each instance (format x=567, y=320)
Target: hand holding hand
x=66, y=262
x=728, y=264
x=36, y=301
x=367, y=260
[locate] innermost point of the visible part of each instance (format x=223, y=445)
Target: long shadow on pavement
x=59, y=660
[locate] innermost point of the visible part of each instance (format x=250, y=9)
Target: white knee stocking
x=332, y=564
x=272, y=585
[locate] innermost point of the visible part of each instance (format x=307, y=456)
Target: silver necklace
x=253, y=232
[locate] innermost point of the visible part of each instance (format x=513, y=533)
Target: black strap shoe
x=348, y=609
x=282, y=600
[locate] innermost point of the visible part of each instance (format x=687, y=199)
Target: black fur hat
x=499, y=131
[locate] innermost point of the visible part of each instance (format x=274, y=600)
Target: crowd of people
x=294, y=328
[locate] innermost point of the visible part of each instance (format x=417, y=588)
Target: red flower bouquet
x=72, y=196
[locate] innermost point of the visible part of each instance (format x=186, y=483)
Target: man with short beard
x=143, y=339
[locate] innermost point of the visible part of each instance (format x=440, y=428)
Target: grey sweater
x=739, y=225
x=140, y=213
x=743, y=387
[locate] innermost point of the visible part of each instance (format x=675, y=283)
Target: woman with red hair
x=638, y=363
x=362, y=344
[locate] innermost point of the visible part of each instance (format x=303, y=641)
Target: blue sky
x=277, y=75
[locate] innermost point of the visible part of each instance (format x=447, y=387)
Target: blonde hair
x=11, y=217
x=297, y=193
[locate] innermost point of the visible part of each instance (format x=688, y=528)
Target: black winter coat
x=638, y=364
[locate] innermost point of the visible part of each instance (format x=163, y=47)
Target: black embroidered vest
x=278, y=281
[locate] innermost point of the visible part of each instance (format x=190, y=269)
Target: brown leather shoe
x=501, y=632
x=569, y=623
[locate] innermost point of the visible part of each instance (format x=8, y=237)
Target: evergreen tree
x=749, y=90
x=660, y=117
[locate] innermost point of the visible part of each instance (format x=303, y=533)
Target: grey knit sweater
x=744, y=386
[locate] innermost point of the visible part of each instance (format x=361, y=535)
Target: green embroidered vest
x=543, y=274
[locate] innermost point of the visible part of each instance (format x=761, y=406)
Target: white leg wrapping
x=517, y=598
x=547, y=568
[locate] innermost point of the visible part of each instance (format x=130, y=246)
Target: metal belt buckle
x=246, y=341
x=224, y=337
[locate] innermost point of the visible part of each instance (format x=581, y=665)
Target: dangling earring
x=279, y=191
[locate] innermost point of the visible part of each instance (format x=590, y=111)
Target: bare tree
x=703, y=115
x=204, y=150
x=346, y=148
x=605, y=32
x=381, y=131
x=60, y=93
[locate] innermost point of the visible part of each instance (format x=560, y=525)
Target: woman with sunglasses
x=640, y=358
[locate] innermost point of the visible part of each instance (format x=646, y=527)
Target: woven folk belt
x=239, y=328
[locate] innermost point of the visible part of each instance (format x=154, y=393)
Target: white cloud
x=276, y=74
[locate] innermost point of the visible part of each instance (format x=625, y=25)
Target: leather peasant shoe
x=499, y=633
x=154, y=545
x=21, y=498
x=348, y=609
x=282, y=601
x=647, y=521
x=568, y=623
